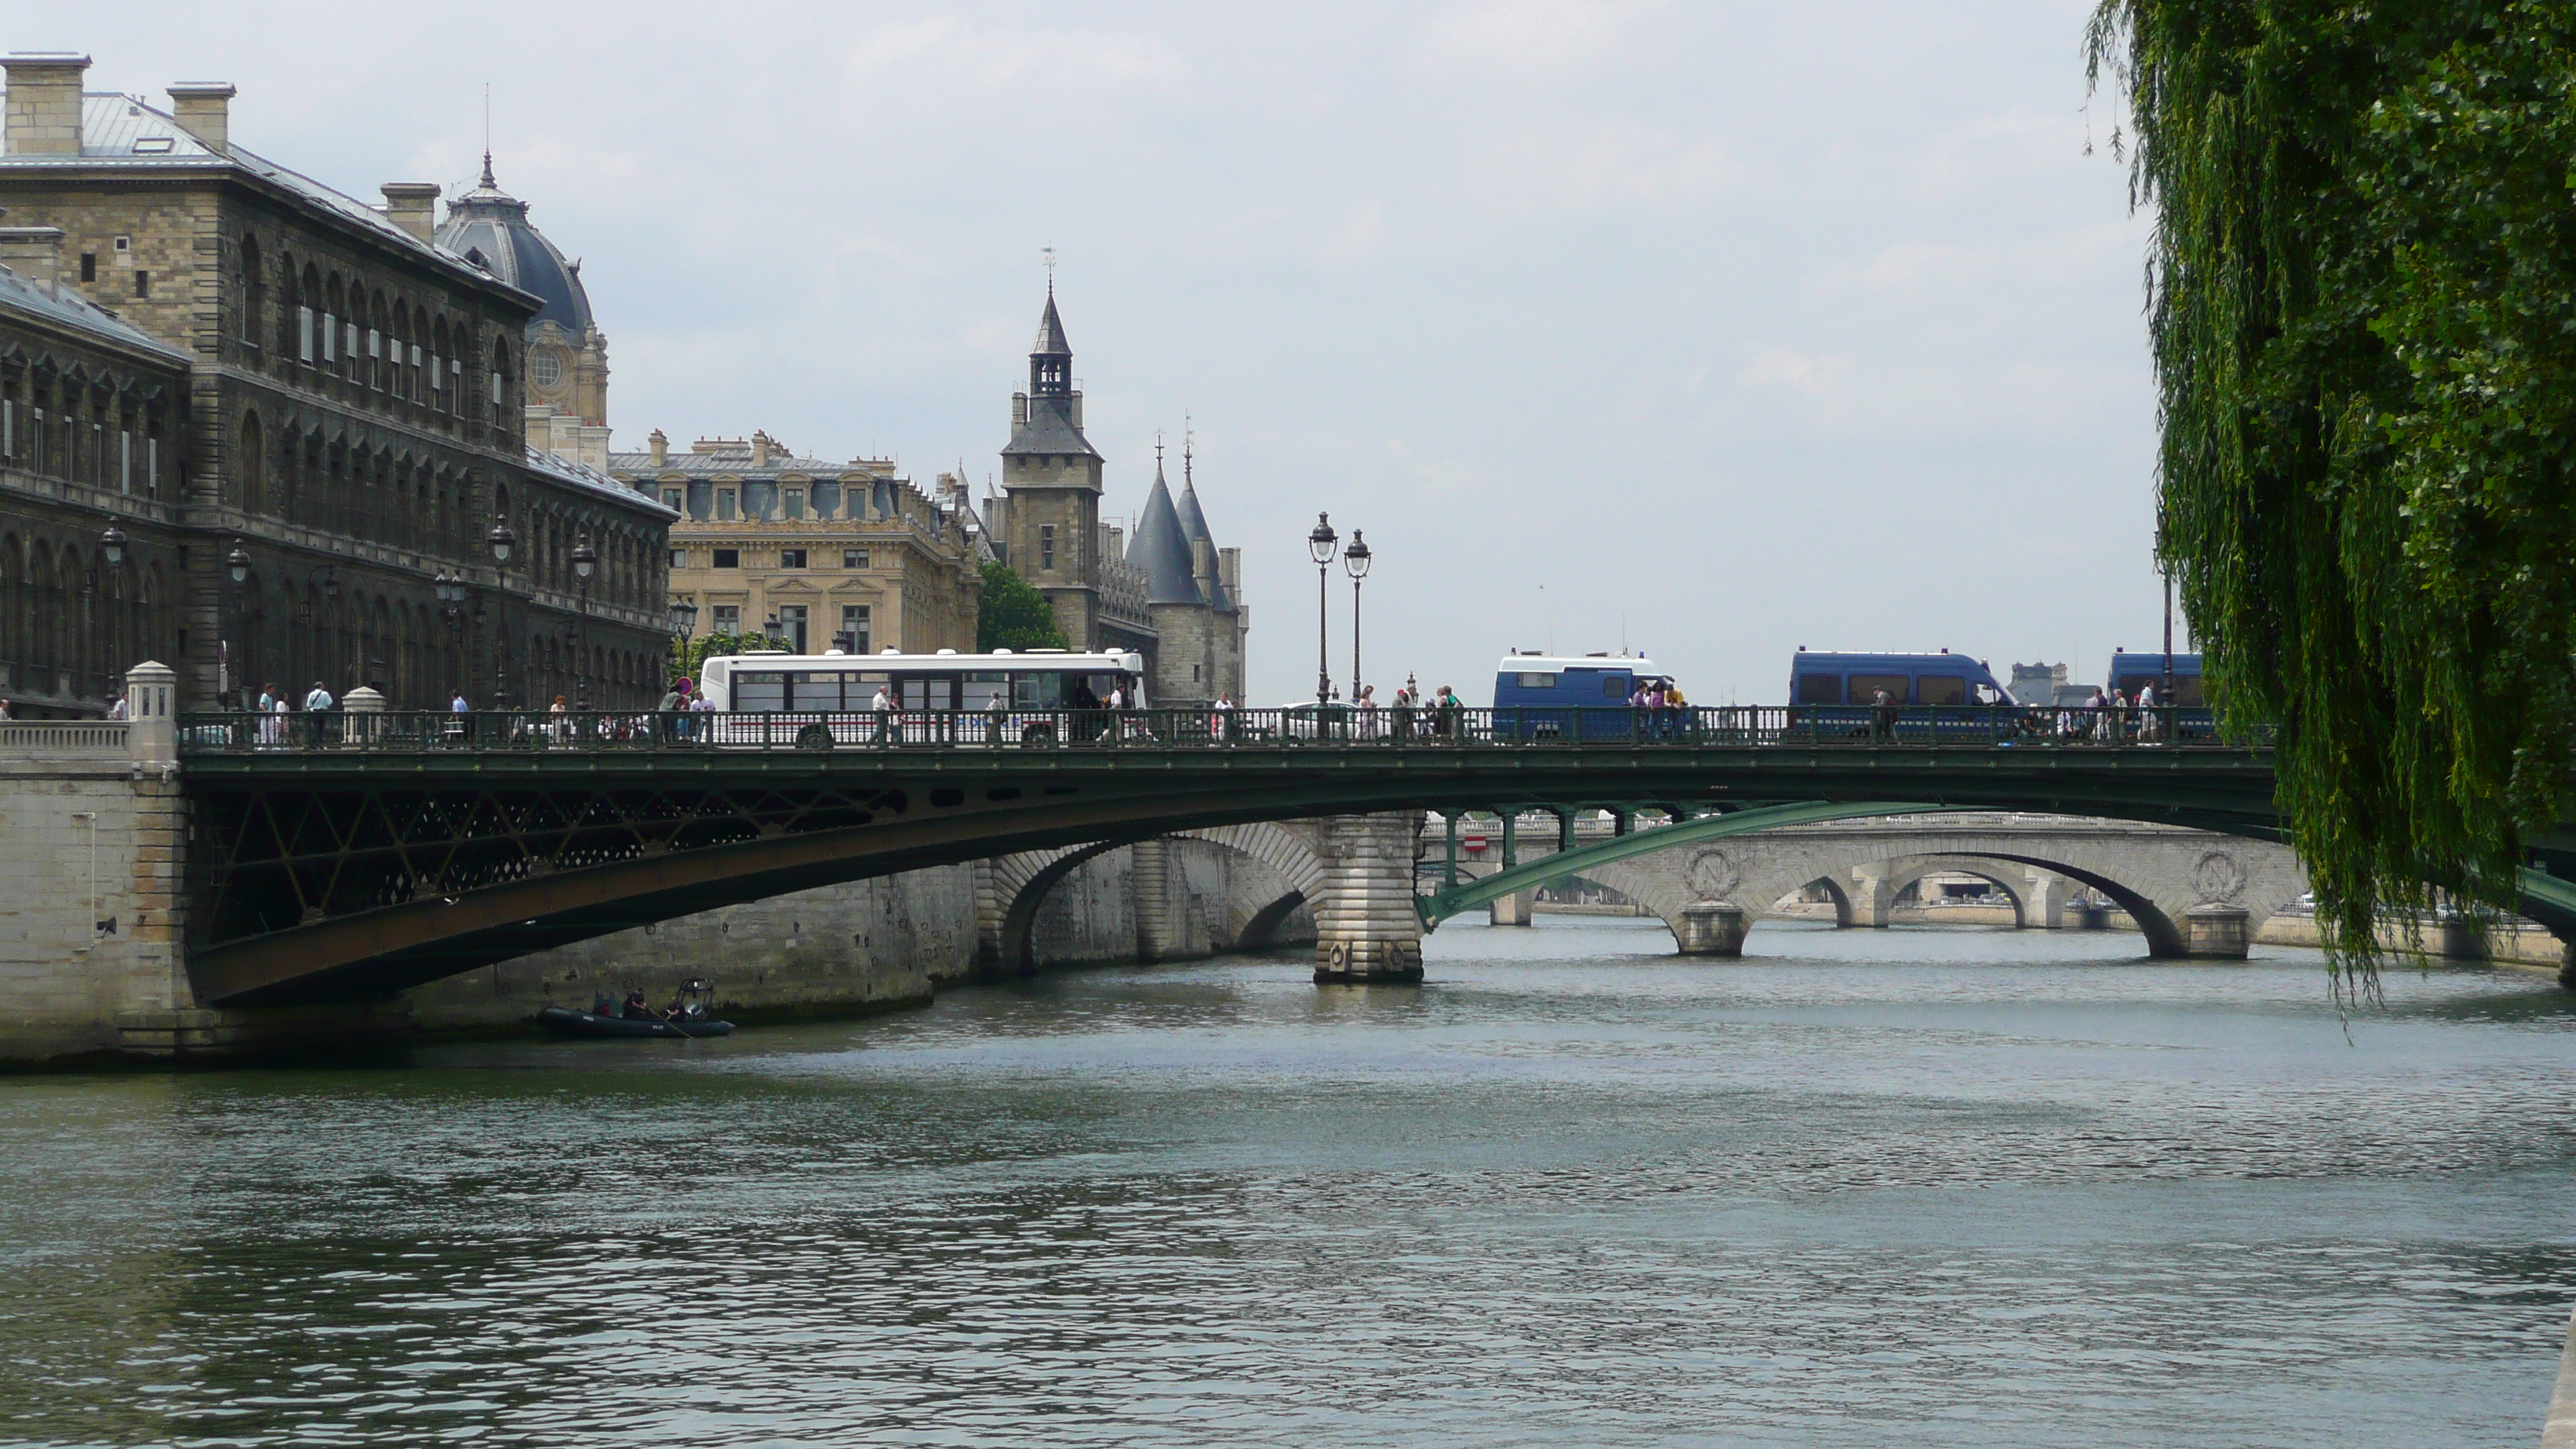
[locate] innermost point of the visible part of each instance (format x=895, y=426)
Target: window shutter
x=124, y=461
x=8, y=427
x=151, y=464
x=330, y=338
x=304, y=333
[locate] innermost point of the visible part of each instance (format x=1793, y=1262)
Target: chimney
x=661, y=447
x=760, y=449
x=1229, y=571
x=1203, y=568
x=1019, y=409
x=203, y=109
x=44, y=102
x=35, y=253
x=413, y=206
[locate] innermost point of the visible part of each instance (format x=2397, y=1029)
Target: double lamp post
x=1322, y=545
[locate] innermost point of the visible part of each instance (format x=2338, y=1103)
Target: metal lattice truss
x=273, y=859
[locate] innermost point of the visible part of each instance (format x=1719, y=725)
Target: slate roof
x=1051, y=341
x=582, y=476
x=114, y=124
x=1194, y=526
x=732, y=465
x=1049, y=431
x=1161, y=550
x=68, y=309
x=492, y=224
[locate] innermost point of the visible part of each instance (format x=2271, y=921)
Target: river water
x=1918, y=1187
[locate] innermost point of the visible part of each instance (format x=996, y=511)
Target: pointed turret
x=1194, y=527
x=1051, y=361
x=1161, y=548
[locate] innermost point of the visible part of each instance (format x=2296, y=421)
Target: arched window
x=254, y=290
x=250, y=467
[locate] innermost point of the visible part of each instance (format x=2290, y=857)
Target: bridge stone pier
x=1366, y=927
x=2191, y=893
x=93, y=846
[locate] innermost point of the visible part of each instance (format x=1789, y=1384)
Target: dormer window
x=151, y=145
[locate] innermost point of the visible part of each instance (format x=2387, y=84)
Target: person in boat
x=679, y=1007
x=636, y=1010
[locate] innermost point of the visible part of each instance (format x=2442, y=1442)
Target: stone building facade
x=351, y=422
x=826, y=555
x=89, y=408
x=1169, y=593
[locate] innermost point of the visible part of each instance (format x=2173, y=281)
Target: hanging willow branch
x=2362, y=309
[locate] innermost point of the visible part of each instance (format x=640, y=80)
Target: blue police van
x=1544, y=697
x=2132, y=672
x=1832, y=693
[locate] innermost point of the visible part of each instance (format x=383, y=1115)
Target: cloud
x=1526, y=40
x=1796, y=371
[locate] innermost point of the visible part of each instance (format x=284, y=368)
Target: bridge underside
x=334, y=877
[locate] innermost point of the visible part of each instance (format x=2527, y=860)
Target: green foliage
x=688, y=654
x=2362, y=303
x=1014, y=616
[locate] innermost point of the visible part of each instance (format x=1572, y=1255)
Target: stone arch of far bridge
x=1010, y=889
x=1912, y=870
x=2155, y=881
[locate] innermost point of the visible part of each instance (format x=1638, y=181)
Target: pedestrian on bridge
x=317, y=712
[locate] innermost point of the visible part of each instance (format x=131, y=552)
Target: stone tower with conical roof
x=567, y=356
x=1191, y=589
x=1051, y=480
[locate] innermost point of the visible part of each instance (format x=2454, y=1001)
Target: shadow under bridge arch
x=2165, y=936
x=1021, y=883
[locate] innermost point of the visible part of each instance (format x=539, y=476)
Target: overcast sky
x=1716, y=329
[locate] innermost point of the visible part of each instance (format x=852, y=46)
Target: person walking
x=317, y=706
x=883, y=705
x=674, y=700
x=116, y=707
x=1367, y=706
x=1221, y=723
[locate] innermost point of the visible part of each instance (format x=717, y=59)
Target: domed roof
x=489, y=227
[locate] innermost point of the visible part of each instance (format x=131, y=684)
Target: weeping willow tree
x=2362, y=311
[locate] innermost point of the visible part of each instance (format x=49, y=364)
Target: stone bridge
x=1287, y=859
x=2192, y=893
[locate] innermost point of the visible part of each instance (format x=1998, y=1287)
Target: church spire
x=1051, y=361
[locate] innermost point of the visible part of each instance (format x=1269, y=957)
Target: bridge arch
x=1912, y=871
x=2156, y=874
x=1013, y=888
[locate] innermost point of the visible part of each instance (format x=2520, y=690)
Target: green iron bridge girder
x=1453, y=900
x=349, y=871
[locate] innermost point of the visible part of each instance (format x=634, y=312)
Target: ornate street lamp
x=1356, y=559
x=111, y=548
x=584, y=564
x=236, y=563
x=501, y=541
x=1322, y=544
x=451, y=610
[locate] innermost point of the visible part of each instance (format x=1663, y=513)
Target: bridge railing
x=1517, y=728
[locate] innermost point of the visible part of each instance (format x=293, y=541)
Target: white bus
x=1037, y=696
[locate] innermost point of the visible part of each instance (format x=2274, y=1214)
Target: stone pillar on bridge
x=1150, y=878
x=1365, y=925
x=1512, y=910
x=1872, y=901
x=2044, y=908
x=1713, y=928
x=2216, y=931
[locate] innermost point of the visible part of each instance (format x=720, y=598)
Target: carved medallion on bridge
x=2219, y=878
x=1713, y=874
